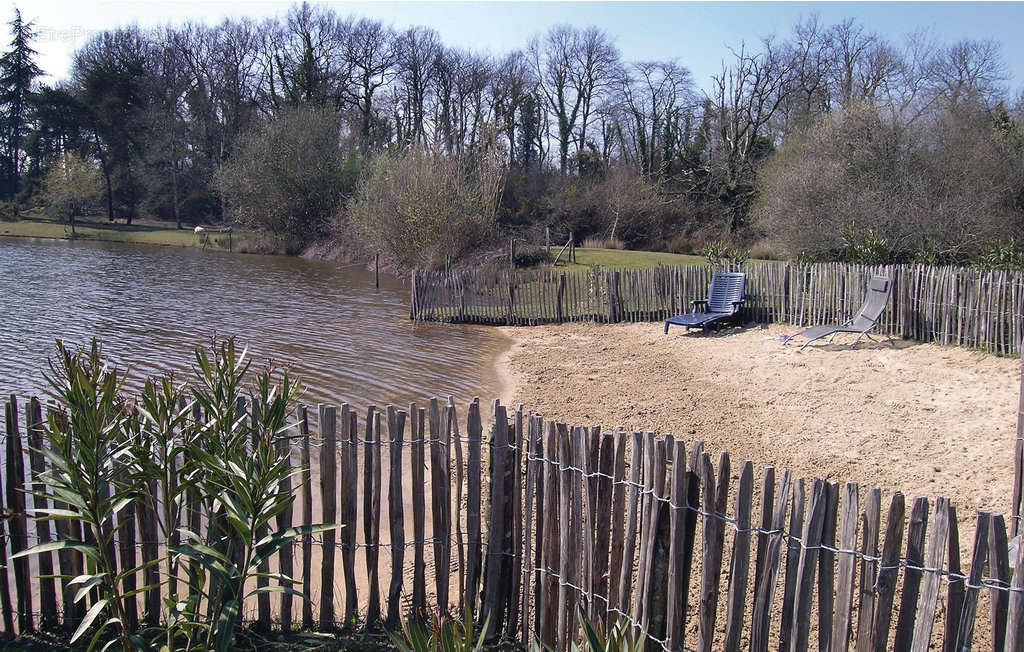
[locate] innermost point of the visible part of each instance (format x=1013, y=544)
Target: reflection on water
x=150, y=306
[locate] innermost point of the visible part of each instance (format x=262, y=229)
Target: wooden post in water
x=376, y=271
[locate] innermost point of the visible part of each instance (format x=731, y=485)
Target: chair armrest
x=701, y=301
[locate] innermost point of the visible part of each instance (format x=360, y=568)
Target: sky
x=697, y=34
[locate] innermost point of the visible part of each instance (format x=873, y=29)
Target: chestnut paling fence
x=950, y=305
x=530, y=522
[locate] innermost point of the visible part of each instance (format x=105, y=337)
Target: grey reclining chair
x=866, y=319
x=725, y=298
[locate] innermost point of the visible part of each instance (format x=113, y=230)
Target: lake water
x=151, y=306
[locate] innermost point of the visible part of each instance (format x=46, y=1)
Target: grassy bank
x=141, y=231
x=623, y=259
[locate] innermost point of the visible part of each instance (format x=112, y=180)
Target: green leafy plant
x=866, y=247
x=90, y=462
x=107, y=455
x=441, y=633
x=239, y=466
x=623, y=637
x=719, y=253
x=999, y=256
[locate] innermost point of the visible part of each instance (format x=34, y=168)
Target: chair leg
x=814, y=340
x=666, y=328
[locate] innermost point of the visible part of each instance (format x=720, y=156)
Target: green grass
x=623, y=259
x=141, y=231
x=587, y=258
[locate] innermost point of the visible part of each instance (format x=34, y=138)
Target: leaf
x=270, y=544
x=66, y=544
x=226, y=626
x=52, y=513
x=89, y=617
x=137, y=569
x=82, y=578
x=274, y=589
x=87, y=585
x=596, y=644
x=141, y=589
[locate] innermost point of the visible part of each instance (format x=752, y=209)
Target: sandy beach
x=923, y=419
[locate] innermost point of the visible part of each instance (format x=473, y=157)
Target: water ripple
x=150, y=306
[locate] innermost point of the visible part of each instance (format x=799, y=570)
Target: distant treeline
x=832, y=142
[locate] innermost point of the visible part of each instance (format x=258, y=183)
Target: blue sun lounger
x=725, y=298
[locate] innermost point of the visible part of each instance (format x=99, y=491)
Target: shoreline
x=508, y=378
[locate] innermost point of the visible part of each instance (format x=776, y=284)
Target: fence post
x=560, y=309
x=612, y=279
x=396, y=430
x=412, y=297
x=511, y=298
x=15, y=482
x=1018, y=457
x=328, y=496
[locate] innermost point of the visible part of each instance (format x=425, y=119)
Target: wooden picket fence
x=538, y=522
x=950, y=305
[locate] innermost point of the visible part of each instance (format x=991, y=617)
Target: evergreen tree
x=18, y=70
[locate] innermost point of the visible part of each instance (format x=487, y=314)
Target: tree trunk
x=174, y=192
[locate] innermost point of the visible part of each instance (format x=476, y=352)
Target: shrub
x=72, y=187
x=106, y=451
x=287, y=176
x=765, y=250
x=680, y=244
x=862, y=184
x=865, y=247
x=595, y=242
x=418, y=207
x=531, y=256
x=718, y=253
x=999, y=256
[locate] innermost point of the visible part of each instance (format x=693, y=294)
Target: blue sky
x=698, y=34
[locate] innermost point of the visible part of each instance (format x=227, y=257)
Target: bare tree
x=656, y=97
x=968, y=73
x=419, y=49
x=596, y=72
x=552, y=58
x=372, y=51
x=746, y=97
x=864, y=63
x=306, y=65
x=511, y=89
